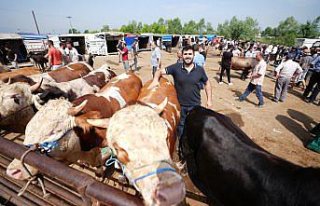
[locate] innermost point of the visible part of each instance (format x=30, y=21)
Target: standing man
x=54, y=56
x=226, y=64
x=256, y=81
x=62, y=49
x=314, y=80
x=119, y=48
x=284, y=73
x=125, y=56
x=198, y=58
x=72, y=53
x=155, y=58
x=188, y=81
x=135, y=55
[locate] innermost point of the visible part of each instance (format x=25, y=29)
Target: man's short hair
x=188, y=47
x=50, y=42
x=196, y=47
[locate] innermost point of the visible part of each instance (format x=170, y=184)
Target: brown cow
x=144, y=142
x=63, y=74
x=59, y=121
x=171, y=112
x=244, y=64
x=26, y=71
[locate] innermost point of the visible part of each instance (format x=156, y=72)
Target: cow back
x=171, y=112
x=26, y=71
x=240, y=63
x=227, y=166
x=70, y=72
x=121, y=91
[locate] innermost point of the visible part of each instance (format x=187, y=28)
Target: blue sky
x=15, y=15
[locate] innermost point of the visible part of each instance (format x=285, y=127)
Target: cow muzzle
x=170, y=192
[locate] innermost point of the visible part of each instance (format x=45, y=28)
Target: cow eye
x=16, y=99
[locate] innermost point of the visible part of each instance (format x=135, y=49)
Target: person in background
x=62, y=49
x=54, y=56
x=135, y=55
x=256, y=81
x=72, y=53
x=198, y=58
x=305, y=62
x=179, y=56
x=226, y=64
x=119, y=49
x=125, y=57
x=155, y=58
x=284, y=72
x=314, y=83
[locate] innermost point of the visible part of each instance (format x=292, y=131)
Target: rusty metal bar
x=28, y=195
x=50, y=185
x=12, y=197
x=83, y=183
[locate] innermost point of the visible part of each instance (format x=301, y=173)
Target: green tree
x=201, y=25
x=209, y=28
x=74, y=31
x=190, y=27
x=86, y=31
x=310, y=29
x=105, y=28
x=267, y=32
x=174, y=26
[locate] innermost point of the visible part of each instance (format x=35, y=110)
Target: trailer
x=34, y=42
x=78, y=41
x=104, y=43
x=15, y=43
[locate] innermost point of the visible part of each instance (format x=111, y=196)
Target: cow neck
x=98, y=79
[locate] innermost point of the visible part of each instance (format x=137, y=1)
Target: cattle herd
x=74, y=112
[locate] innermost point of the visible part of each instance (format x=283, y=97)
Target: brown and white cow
x=143, y=138
x=63, y=74
x=17, y=105
x=65, y=122
x=91, y=83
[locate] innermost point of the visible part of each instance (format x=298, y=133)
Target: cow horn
x=37, y=104
x=73, y=111
x=161, y=106
x=9, y=81
x=36, y=86
x=102, y=123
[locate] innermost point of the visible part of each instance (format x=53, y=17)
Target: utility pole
x=35, y=21
x=69, y=17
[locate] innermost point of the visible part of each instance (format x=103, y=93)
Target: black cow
x=39, y=60
x=228, y=167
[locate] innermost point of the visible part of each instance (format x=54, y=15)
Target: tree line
x=248, y=29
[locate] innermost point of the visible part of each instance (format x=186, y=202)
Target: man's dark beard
x=186, y=64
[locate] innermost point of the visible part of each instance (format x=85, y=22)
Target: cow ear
x=102, y=123
x=73, y=111
x=159, y=108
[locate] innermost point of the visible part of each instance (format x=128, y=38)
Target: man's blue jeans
x=250, y=89
x=183, y=114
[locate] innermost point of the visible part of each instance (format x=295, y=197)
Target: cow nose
x=171, y=194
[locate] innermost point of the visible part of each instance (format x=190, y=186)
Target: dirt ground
x=280, y=128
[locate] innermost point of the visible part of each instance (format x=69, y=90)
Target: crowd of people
x=293, y=66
